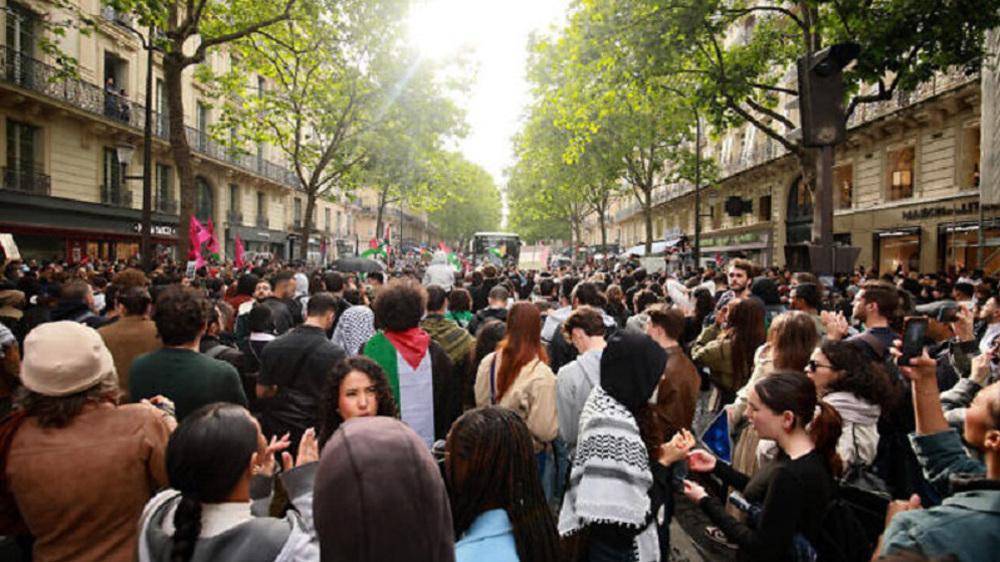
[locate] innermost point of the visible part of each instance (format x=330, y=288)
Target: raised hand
x=267, y=462
x=676, y=448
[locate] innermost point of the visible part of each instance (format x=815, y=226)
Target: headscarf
x=380, y=497
x=355, y=327
x=301, y=284
x=631, y=367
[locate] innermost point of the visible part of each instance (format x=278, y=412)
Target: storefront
x=958, y=246
x=51, y=228
x=256, y=241
x=897, y=249
x=753, y=244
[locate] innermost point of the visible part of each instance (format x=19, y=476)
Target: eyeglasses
x=812, y=365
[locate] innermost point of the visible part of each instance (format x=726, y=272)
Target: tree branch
x=793, y=148
x=770, y=113
x=202, y=50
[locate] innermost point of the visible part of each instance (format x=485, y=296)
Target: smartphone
x=914, y=331
x=947, y=314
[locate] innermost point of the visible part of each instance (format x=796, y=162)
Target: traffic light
x=821, y=94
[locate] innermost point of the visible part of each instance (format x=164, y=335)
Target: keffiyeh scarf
x=355, y=327
x=610, y=477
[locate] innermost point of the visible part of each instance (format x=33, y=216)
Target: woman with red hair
x=517, y=375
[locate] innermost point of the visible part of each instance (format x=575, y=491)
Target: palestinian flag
x=452, y=258
x=412, y=364
x=375, y=249
x=500, y=252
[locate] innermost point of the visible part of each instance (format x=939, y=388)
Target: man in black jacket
x=293, y=372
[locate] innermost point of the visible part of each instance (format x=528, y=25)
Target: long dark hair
x=793, y=391
x=863, y=378
x=330, y=416
x=746, y=331
x=500, y=471
x=207, y=455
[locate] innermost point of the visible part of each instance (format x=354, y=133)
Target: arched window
x=204, y=205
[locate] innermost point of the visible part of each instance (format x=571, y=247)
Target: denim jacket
x=967, y=523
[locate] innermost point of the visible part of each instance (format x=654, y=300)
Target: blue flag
x=717, y=437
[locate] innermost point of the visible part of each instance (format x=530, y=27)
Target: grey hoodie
x=574, y=382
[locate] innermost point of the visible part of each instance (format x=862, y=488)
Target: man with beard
x=740, y=276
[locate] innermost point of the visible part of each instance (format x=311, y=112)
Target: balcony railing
x=117, y=196
x=262, y=222
x=26, y=181
x=31, y=74
x=234, y=217
x=167, y=206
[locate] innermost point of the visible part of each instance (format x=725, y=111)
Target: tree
x=337, y=69
x=190, y=30
x=474, y=204
x=733, y=56
x=609, y=127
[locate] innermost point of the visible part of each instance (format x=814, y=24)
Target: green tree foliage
x=736, y=57
x=474, y=204
x=189, y=31
x=342, y=75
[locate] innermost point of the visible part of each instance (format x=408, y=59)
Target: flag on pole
x=238, y=252
x=387, y=236
x=322, y=249
x=197, y=234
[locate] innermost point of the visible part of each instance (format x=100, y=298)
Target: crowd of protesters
x=289, y=412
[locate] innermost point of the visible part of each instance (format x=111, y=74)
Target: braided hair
x=491, y=464
x=207, y=455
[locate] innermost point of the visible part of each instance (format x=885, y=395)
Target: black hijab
x=631, y=367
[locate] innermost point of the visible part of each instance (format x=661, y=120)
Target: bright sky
x=494, y=34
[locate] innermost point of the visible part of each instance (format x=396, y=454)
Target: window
x=202, y=123
x=326, y=218
x=970, y=158
x=21, y=25
x=261, y=202
x=162, y=109
x=204, y=206
x=764, y=209
x=112, y=190
x=297, y=212
x=338, y=223
x=164, y=200
x=234, y=197
x=900, y=178
x=843, y=186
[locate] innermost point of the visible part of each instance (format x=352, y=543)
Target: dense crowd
x=287, y=412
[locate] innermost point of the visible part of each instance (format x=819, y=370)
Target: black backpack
x=845, y=536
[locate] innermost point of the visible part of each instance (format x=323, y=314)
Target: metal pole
x=697, y=191
x=823, y=213
x=147, y=161
x=980, y=236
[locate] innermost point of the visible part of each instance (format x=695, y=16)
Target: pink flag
x=238, y=252
x=213, y=242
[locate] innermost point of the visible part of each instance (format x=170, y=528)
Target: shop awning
x=659, y=246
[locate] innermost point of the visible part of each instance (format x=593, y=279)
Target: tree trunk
x=647, y=213
x=307, y=222
x=180, y=150
x=604, y=232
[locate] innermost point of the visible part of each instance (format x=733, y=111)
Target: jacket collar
x=975, y=493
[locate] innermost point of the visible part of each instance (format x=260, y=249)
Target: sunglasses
x=812, y=365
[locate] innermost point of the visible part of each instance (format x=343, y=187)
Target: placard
x=9, y=247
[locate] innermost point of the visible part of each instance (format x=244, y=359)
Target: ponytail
x=187, y=528
x=825, y=430
x=795, y=392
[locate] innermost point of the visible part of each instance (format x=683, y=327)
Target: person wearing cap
x=78, y=467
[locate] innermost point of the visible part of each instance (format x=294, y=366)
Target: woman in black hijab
x=619, y=477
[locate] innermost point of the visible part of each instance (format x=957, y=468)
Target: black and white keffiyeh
x=610, y=477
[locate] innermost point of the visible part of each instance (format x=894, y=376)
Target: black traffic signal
x=821, y=94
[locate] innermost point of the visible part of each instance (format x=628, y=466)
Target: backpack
x=844, y=538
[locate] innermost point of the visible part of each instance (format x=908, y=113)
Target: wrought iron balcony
x=234, y=217
x=22, y=71
x=262, y=222
x=117, y=196
x=165, y=205
x=26, y=181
